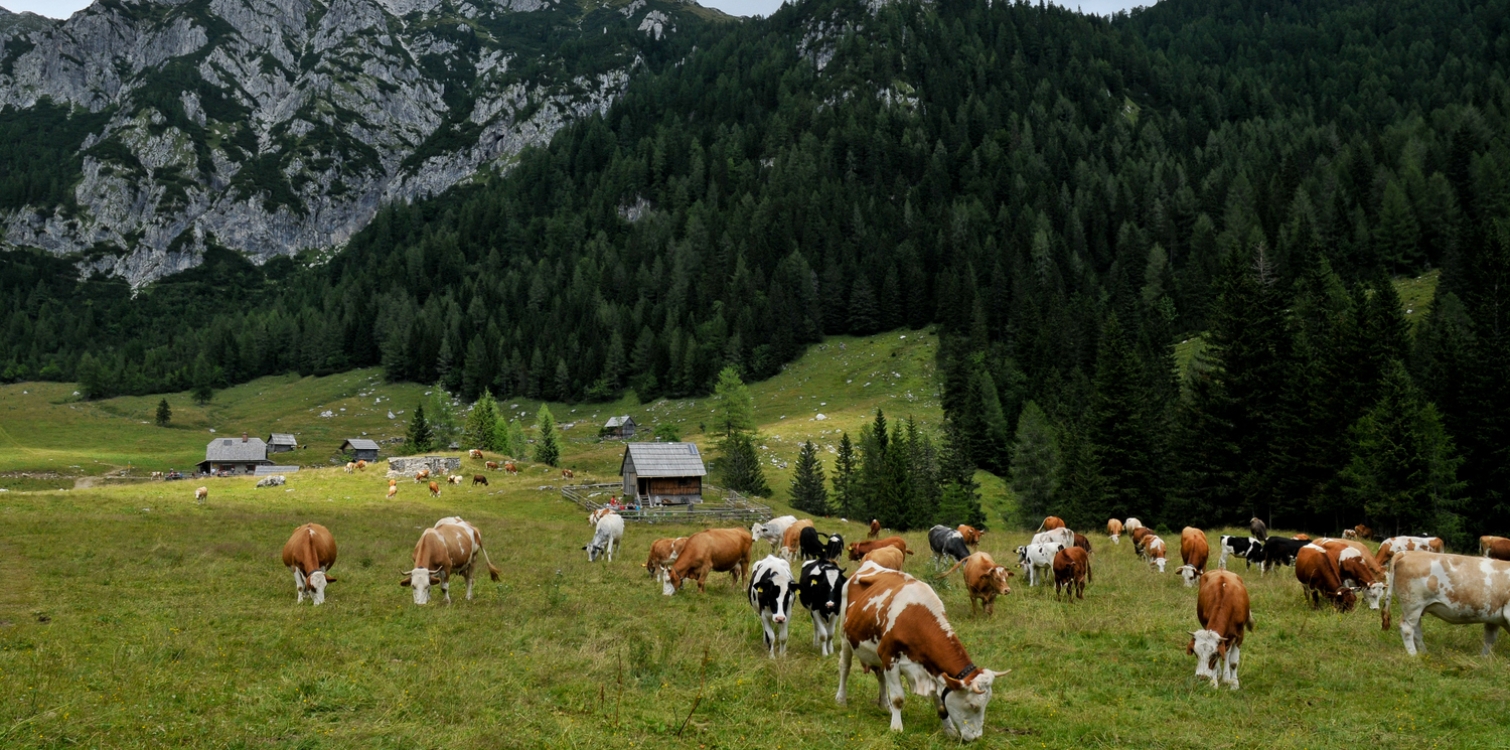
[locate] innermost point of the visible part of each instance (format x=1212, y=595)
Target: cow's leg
x=781, y=634
x=770, y=635
x=1221, y=562
x=299, y=584
x=1229, y=675
x=817, y=618
x=445, y=585
x=893, y=686
x=1410, y=631
x=846, y=653
x=1491, y=632
x=469, y=574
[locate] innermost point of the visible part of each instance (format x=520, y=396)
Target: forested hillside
x=1066, y=197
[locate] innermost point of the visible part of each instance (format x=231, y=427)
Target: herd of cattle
x=896, y=625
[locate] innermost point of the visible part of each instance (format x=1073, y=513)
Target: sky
x=65, y=8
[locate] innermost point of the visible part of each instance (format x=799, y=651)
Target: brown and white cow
x=1487, y=543
x=984, y=579
x=596, y=515
x=791, y=539
x=875, y=529
x=567, y=474
x=421, y=475
x=310, y=552
x=1456, y=588
x=351, y=466
x=455, y=479
x=663, y=552
x=490, y=465
x=886, y=557
x=434, y=490
x=1357, y=567
x=448, y=548
x=970, y=534
x=474, y=453
x=392, y=491
x=511, y=467
x=710, y=551
x=201, y=494
x=858, y=550
x=1050, y=523
x=1138, y=536
x=895, y=624
x=1389, y=547
x=1114, y=530
x=1499, y=550
x=1320, y=578
x=1221, y=605
x=1194, y=552
x=362, y=465
x=1363, y=532
x=1155, y=550
x=1072, y=568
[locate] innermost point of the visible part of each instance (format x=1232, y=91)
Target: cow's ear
x=434, y=581
x=330, y=578
x=404, y=582
x=952, y=683
x=1190, y=647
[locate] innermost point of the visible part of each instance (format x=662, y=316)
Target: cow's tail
x=1389, y=594
x=957, y=563
x=493, y=570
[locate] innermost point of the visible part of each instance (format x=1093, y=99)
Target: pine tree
x=667, y=432
x=480, y=422
x=959, y=493
x=204, y=380
x=1082, y=490
x=864, y=313
x=1035, y=464
x=420, y=437
x=499, y=440
x=164, y=413
x=735, y=407
x=518, y=442
x=846, y=499
x=741, y=466
x=445, y=428
x=809, y=492
x=547, y=442
x=1119, y=431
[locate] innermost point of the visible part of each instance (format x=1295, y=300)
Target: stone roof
x=236, y=449
x=664, y=460
x=360, y=444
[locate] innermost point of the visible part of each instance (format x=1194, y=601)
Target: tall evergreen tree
x=164, y=413
x=847, y=499
x=741, y=465
x=518, y=442
x=419, y=437
x=445, y=428
x=1120, y=432
x=809, y=491
x=1035, y=464
x=735, y=407
x=547, y=441
x=480, y=423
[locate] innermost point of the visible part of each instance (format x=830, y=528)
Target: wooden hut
x=234, y=455
x=361, y=449
x=619, y=427
x=281, y=442
x=663, y=473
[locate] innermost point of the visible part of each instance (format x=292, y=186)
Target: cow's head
x=1188, y=574
x=854, y=551
x=1022, y=556
x=670, y=582
x=962, y=704
x=835, y=547
x=1158, y=562
x=1209, y=647
x=757, y=530
x=1374, y=594
x=316, y=584
x=421, y=579
x=1345, y=599
x=999, y=576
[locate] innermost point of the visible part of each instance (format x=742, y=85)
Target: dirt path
x=84, y=483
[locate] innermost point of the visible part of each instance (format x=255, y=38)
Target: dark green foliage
x=847, y=499
x=419, y=436
x=740, y=462
x=480, y=430
x=667, y=432
x=809, y=492
x=1035, y=465
x=164, y=413
x=547, y=440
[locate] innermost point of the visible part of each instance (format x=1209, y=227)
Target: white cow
x=772, y=530
x=1034, y=558
x=771, y=592
x=1456, y=588
x=1131, y=525
x=607, y=535
x=1060, y=535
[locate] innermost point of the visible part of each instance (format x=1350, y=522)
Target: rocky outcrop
x=271, y=127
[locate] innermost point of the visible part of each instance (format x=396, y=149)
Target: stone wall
x=408, y=466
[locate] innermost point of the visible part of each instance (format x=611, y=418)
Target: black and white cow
x=1278, y=550
x=820, y=590
x=815, y=546
x=771, y=592
x=1239, y=546
x=947, y=541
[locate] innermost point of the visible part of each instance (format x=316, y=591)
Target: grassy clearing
x=154, y=621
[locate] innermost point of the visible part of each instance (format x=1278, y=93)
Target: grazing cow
x=434, y=490
x=1050, y=523
x=567, y=474
x=1222, y=608
x=1154, y=546
x=857, y=550
x=821, y=590
x=421, y=475
x=709, y=551
x=392, y=491
x=1487, y=542
x=393, y=483
x=479, y=479
x=947, y=542
x=1357, y=567
x=350, y=466
x=362, y=465
x=1458, y=589
x=1083, y=542
x=1320, y=577
x=875, y=529
x=791, y=539
x=1114, y=530
x=663, y=552
x=1139, y=535
x=1193, y=552
x=448, y=548
x=1279, y=551
x=157, y=475
x=772, y=530
x=984, y=580
x=895, y=624
x=815, y=546
x=1060, y=535
x=1257, y=528
x=309, y=553
x=474, y=453
x=491, y=465
x=597, y=515
x=1239, y=546
x=276, y=480
x=1131, y=525
x=886, y=557
x=1033, y=558
x=1072, y=567
x=1364, y=532
x=454, y=479
x=970, y=533
x=510, y=467
x=771, y=591
x=201, y=494
x=607, y=536
x=1349, y=534
x=1498, y=550
x=1394, y=544
x=1302, y=537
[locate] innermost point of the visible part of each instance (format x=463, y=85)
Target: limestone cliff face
x=276, y=126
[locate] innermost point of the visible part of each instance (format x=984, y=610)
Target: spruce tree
x=164, y=413
x=500, y=441
x=1035, y=464
x=735, y=407
x=1083, y=493
x=420, y=437
x=741, y=466
x=846, y=499
x=547, y=442
x=809, y=491
x=959, y=493
x=864, y=313
x=1119, y=431
x=518, y=443
x=480, y=422
x=445, y=428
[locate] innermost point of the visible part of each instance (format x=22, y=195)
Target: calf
x=1050, y=523
x=607, y=536
x=821, y=590
x=479, y=479
x=771, y=591
x=1456, y=588
x=772, y=530
x=1357, y=568
x=1222, y=608
x=1114, y=530
x=434, y=490
x=1060, y=535
x=886, y=557
x=1279, y=551
x=947, y=542
x=443, y=550
x=895, y=623
x=1257, y=528
x=1239, y=546
x=970, y=533
x=857, y=550
x=1154, y=546
x=663, y=552
x=1394, y=544
x=1072, y=567
x=350, y=466
x=310, y=552
x=709, y=551
x=875, y=529
x=984, y=579
x=1320, y=577
x=791, y=539
x=1349, y=534
x=1193, y=552
x=1037, y=560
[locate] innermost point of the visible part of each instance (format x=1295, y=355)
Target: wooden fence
x=734, y=507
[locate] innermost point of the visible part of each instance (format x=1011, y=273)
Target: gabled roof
x=236, y=449
x=281, y=438
x=360, y=444
x=619, y=421
x=664, y=460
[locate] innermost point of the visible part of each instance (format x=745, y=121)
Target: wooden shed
x=234, y=455
x=619, y=427
x=663, y=473
x=361, y=449
x=281, y=442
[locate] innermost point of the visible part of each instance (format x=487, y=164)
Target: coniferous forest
x=1065, y=197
